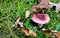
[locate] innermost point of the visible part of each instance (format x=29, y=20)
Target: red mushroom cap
x=40, y=18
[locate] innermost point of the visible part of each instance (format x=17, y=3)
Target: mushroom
x=40, y=19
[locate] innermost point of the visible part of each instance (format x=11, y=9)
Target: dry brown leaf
x=52, y=4
x=34, y=8
x=32, y=33
x=25, y=30
x=43, y=1
x=27, y=14
x=18, y=19
x=28, y=32
x=46, y=1
x=44, y=4
x=21, y=24
x=18, y=23
x=57, y=34
x=52, y=33
x=39, y=1
x=48, y=32
x=58, y=7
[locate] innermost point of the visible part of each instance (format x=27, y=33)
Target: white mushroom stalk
x=41, y=26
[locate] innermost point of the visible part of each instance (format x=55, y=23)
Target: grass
x=11, y=9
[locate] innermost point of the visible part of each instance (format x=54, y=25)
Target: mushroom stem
x=41, y=26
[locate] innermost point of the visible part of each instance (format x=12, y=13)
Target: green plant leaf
x=58, y=27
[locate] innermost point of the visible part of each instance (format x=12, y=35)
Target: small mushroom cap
x=40, y=18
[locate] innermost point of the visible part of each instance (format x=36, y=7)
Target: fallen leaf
x=32, y=33
x=57, y=34
x=18, y=19
x=28, y=32
x=58, y=7
x=18, y=23
x=51, y=4
x=39, y=1
x=34, y=8
x=27, y=14
x=46, y=1
x=44, y=4
x=21, y=24
x=48, y=32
